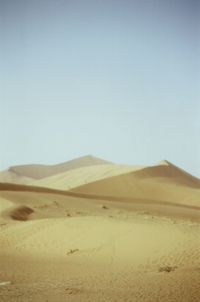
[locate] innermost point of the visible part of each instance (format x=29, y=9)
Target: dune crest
x=165, y=183
x=24, y=173
x=80, y=176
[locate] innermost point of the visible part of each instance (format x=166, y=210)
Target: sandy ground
x=73, y=249
x=64, y=246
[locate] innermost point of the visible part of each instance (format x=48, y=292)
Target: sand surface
x=40, y=171
x=125, y=235
x=12, y=177
x=84, y=175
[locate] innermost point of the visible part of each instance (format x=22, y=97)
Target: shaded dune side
x=81, y=176
x=41, y=171
x=26, y=188
x=170, y=173
x=161, y=184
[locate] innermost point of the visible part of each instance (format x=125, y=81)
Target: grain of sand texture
x=119, y=234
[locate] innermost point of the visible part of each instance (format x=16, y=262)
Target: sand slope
x=73, y=249
x=10, y=176
x=40, y=171
x=126, y=235
x=167, y=172
x=83, y=175
x=163, y=182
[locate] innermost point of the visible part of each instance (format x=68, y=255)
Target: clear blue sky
x=114, y=78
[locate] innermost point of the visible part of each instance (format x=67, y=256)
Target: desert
x=99, y=151
x=92, y=230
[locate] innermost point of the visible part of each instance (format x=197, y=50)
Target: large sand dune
x=163, y=182
x=128, y=234
x=77, y=177
x=39, y=171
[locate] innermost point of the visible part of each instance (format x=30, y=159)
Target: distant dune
x=80, y=176
x=12, y=177
x=95, y=231
x=24, y=173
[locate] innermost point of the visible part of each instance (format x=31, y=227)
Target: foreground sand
x=89, y=230
x=63, y=248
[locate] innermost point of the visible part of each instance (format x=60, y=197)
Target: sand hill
x=120, y=234
x=26, y=173
x=80, y=176
x=163, y=182
x=10, y=176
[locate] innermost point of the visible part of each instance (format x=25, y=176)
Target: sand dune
x=120, y=233
x=77, y=177
x=167, y=172
x=40, y=171
x=16, y=193
x=163, y=182
x=13, y=177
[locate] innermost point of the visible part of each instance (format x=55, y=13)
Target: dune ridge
x=158, y=183
x=194, y=204
x=38, y=171
x=80, y=176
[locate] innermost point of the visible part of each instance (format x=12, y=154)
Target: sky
x=116, y=79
